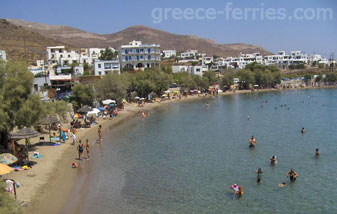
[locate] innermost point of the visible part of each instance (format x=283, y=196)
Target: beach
x=49, y=184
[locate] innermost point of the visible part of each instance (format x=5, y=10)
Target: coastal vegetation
x=7, y=203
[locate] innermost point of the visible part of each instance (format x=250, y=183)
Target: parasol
x=7, y=158
x=25, y=133
x=4, y=169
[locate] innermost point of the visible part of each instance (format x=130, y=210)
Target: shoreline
x=55, y=187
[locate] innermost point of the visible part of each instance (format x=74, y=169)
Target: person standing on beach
x=80, y=148
x=87, y=147
x=73, y=136
x=99, y=133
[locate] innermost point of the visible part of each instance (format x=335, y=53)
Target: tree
x=201, y=82
x=210, y=76
x=330, y=77
x=82, y=95
x=246, y=77
x=112, y=86
x=108, y=54
x=17, y=106
x=318, y=78
x=185, y=80
x=227, y=79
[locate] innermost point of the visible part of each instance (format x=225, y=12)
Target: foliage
x=108, y=54
x=59, y=108
x=15, y=87
x=227, y=79
x=112, y=86
x=296, y=66
x=185, y=80
x=318, y=78
x=210, y=77
x=201, y=82
x=7, y=202
x=330, y=77
x=31, y=111
x=82, y=95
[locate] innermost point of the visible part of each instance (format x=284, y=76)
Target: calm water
x=184, y=158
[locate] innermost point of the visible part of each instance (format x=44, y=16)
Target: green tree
x=318, y=78
x=185, y=81
x=82, y=95
x=112, y=86
x=201, y=82
x=330, y=77
x=108, y=54
x=227, y=79
x=210, y=75
x=246, y=77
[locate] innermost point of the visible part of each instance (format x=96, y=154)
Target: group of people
x=81, y=146
x=292, y=174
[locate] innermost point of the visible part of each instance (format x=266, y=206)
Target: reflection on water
x=183, y=159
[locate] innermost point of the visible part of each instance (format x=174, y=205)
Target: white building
x=3, y=55
x=283, y=60
x=169, y=53
x=103, y=67
x=189, y=54
x=78, y=70
x=193, y=70
x=59, y=55
x=139, y=56
x=207, y=60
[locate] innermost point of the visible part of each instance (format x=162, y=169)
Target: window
x=137, y=58
x=107, y=66
x=149, y=50
x=149, y=57
x=126, y=51
x=137, y=50
x=130, y=58
x=141, y=57
x=99, y=65
x=99, y=73
x=126, y=58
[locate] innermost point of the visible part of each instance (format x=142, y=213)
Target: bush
x=7, y=202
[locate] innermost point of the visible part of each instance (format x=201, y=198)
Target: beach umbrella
x=7, y=158
x=84, y=110
x=137, y=98
x=108, y=101
x=49, y=120
x=25, y=133
x=4, y=169
x=77, y=116
x=101, y=108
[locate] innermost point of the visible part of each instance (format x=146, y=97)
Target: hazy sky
x=272, y=24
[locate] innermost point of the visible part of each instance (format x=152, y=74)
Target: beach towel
x=18, y=168
x=37, y=156
x=55, y=138
x=56, y=144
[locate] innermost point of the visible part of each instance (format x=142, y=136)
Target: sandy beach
x=48, y=185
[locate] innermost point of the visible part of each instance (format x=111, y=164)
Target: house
x=189, y=54
x=39, y=83
x=59, y=55
x=193, y=70
x=78, y=70
x=139, y=56
x=3, y=55
x=103, y=67
x=169, y=53
x=282, y=60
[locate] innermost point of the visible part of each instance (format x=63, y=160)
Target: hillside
x=22, y=44
x=79, y=38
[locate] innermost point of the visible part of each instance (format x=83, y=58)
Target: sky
x=307, y=25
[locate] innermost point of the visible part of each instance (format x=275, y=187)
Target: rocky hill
x=22, y=44
x=78, y=38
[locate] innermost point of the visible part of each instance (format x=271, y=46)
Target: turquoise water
x=183, y=159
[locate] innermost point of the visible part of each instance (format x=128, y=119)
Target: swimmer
x=292, y=175
x=303, y=130
x=259, y=172
x=317, y=153
x=239, y=192
x=235, y=187
x=248, y=117
x=273, y=160
x=282, y=184
x=252, y=142
x=207, y=105
x=262, y=106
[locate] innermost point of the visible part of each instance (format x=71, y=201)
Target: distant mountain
x=77, y=38
x=22, y=44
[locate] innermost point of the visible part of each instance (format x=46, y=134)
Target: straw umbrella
x=49, y=120
x=25, y=133
x=84, y=110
